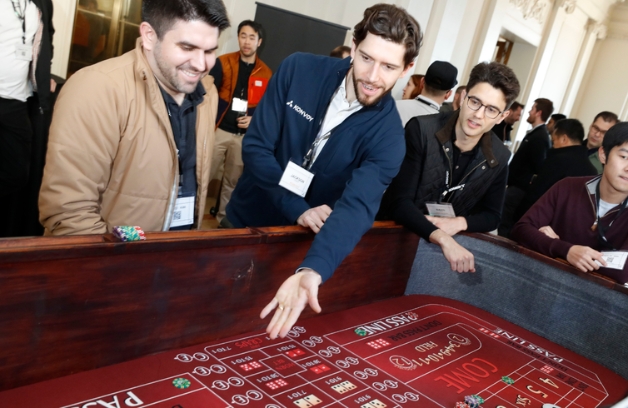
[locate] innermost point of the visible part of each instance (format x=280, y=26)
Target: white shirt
x=604, y=208
x=409, y=108
x=14, y=82
x=339, y=109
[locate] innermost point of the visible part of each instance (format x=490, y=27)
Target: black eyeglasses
x=475, y=104
x=598, y=130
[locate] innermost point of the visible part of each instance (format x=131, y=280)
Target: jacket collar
x=445, y=134
x=592, y=185
x=234, y=59
x=568, y=150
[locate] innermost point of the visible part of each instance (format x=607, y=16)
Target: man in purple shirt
x=580, y=217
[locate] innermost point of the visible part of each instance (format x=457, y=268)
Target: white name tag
x=239, y=105
x=296, y=179
x=615, y=259
x=24, y=52
x=445, y=210
x=183, y=212
x=258, y=83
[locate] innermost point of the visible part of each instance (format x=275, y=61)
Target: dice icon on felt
x=374, y=404
x=321, y=368
x=379, y=343
x=295, y=353
x=309, y=401
x=273, y=385
x=343, y=387
x=250, y=366
x=547, y=369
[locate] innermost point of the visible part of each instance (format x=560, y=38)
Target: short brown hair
x=515, y=106
x=498, y=76
x=546, y=107
x=393, y=24
x=607, y=117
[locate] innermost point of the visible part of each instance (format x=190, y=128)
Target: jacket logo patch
x=300, y=111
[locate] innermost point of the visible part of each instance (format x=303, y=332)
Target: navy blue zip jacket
x=351, y=172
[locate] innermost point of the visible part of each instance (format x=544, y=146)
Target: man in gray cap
x=438, y=82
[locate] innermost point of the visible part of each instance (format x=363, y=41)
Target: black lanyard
x=601, y=230
x=308, y=159
x=21, y=15
x=431, y=105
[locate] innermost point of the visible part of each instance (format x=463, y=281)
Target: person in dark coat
x=568, y=158
x=454, y=174
x=527, y=161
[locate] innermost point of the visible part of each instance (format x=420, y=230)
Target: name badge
x=239, y=105
x=24, y=52
x=614, y=259
x=296, y=179
x=445, y=210
x=183, y=212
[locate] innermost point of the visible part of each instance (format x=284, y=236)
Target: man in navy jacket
x=336, y=119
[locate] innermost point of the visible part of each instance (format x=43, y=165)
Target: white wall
x=564, y=58
x=607, y=87
x=521, y=58
x=605, y=84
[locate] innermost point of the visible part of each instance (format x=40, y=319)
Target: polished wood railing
x=71, y=304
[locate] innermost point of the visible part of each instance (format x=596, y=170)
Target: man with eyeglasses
x=454, y=174
x=601, y=123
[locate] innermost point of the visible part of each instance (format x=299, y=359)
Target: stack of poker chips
x=129, y=233
x=470, y=401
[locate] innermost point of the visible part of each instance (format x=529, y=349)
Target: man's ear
x=561, y=139
x=149, y=36
x=447, y=94
x=503, y=116
x=259, y=42
x=602, y=155
x=407, y=69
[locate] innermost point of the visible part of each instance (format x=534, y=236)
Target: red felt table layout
x=413, y=351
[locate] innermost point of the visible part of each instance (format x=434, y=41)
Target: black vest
x=435, y=139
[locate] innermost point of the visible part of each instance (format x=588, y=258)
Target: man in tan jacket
x=131, y=137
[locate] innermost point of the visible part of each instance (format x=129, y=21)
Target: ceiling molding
x=536, y=9
x=569, y=6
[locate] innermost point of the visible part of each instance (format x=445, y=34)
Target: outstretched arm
x=295, y=293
